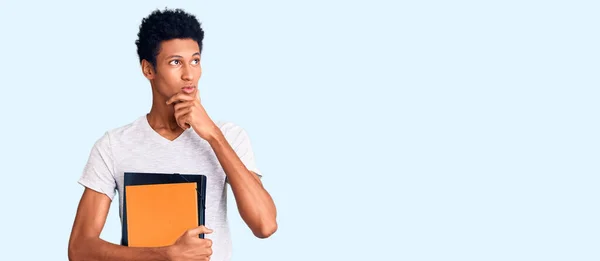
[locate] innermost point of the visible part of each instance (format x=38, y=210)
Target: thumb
x=199, y=230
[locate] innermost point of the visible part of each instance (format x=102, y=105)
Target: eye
x=174, y=62
x=196, y=61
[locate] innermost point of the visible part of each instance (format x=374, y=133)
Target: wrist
x=167, y=253
x=215, y=137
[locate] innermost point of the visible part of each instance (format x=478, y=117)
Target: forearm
x=96, y=249
x=254, y=203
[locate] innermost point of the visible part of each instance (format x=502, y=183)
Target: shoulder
x=228, y=126
x=233, y=132
x=126, y=132
x=132, y=128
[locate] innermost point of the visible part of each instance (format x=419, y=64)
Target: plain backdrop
x=386, y=130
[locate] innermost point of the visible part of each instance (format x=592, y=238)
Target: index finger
x=180, y=97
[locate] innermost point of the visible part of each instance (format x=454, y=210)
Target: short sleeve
x=240, y=142
x=98, y=173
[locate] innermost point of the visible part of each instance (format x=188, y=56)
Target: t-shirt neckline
x=156, y=136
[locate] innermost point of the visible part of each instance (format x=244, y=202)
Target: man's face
x=177, y=67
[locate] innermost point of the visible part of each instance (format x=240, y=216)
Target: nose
x=187, y=74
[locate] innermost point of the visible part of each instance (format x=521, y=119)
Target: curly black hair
x=165, y=25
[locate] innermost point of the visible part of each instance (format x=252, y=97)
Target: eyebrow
x=181, y=57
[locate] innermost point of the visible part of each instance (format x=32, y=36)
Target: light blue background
x=386, y=130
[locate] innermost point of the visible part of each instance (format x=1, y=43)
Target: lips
x=188, y=89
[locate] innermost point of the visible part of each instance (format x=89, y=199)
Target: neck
x=161, y=116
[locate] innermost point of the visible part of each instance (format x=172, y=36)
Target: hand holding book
x=190, y=247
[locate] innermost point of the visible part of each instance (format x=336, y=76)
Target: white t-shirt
x=136, y=147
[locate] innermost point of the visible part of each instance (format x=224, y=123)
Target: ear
x=148, y=70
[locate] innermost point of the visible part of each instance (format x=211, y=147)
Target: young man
x=176, y=136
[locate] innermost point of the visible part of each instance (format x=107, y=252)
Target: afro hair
x=166, y=25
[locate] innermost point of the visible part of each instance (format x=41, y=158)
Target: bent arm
x=85, y=243
x=255, y=205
